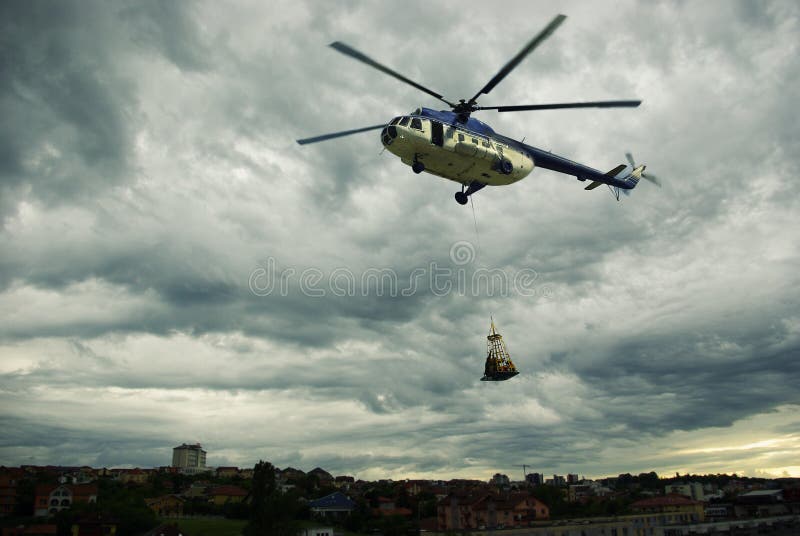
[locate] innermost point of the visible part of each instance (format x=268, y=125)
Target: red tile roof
x=229, y=491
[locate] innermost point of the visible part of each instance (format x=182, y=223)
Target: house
x=324, y=478
x=415, y=487
x=166, y=505
x=135, y=476
x=336, y=504
x=290, y=474
x=580, y=493
x=693, y=490
x=51, y=499
x=343, y=482
x=761, y=503
x=482, y=509
x=227, y=472
x=9, y=479
x=226, y=494
x=718, y=511
x=197, y=489
x=500, y=480
x=671, y=509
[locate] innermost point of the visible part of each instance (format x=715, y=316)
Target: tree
x=271, y=512
x=650, y=480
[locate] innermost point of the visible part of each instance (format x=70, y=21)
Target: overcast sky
x=175, y=268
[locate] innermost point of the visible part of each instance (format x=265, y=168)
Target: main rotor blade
x=347, y=50
x=536, y=41
x=332, y=135
x=597, y=104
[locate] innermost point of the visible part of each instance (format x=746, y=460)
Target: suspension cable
x=477, y=234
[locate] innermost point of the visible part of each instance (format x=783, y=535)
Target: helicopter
x=454, y=145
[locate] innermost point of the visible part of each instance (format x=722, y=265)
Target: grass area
x=233, y=527
x=304, y=524
x=210, y=526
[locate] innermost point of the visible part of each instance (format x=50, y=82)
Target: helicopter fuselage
x=453, y=145
x=466, y=152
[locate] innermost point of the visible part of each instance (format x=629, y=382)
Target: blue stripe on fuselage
x=541, y=158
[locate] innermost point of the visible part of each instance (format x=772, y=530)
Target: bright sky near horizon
x=175, y=268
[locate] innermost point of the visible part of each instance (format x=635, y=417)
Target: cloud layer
x=149, y=178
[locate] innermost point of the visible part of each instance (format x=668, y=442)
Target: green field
x=210, y=526
x=232, y=527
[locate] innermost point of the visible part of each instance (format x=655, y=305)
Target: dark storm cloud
x=37, y=443
x=170, y=29
x=67, y=97
x=65, y=111
x=191, y=110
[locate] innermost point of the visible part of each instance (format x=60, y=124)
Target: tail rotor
x=648, y=176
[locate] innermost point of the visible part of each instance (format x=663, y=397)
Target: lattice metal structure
x=499, y=366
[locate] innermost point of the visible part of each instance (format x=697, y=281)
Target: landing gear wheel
x=461, y=198
x=417, y=167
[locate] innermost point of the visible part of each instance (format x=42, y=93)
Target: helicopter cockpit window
x=416, y=123
x=404, y=121
x=395, y=121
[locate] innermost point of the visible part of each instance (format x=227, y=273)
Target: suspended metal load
x=499, y=366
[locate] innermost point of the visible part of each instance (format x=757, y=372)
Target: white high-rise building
x=189, y=458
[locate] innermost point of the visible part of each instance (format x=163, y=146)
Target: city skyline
x=197, y=466
x=175, y=268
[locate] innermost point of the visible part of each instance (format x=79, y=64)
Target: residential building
x=693, y=490
x=761, y=503
x=166, y=505
x=9, y=479
x=226, y=494
x=500, y=480
x=650, y=525
x=481, y=510
x=671, y=509
x=135, y=476
x=51, y=499
x=227, y=472
x=336, y=504
x=197, y=489
x=780, y=525
x=290, y=473
x=343, y=482
x=535, y=479
x=190, y=458
x=580, y=493
x=718, y=511
x=324, y=478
